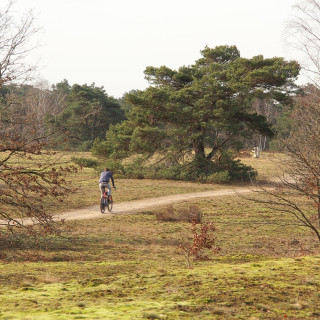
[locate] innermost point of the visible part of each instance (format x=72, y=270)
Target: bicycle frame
x=106, y=201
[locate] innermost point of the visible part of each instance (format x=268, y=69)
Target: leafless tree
x=268, y=109
x=15, y=45
x=303, y=33
x=297, y=192
x=29, y=174
x=40, y=102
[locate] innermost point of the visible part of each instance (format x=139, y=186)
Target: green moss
x=131, y=290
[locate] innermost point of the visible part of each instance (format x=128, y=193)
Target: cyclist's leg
x=109, y=189
x=102, y=187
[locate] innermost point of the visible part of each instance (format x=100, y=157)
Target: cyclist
x=104, y=181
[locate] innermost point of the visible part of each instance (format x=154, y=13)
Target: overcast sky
x=111, y=42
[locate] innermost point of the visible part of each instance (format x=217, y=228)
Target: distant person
x=104, y=181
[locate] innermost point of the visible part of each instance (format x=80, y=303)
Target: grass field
x=131, y=267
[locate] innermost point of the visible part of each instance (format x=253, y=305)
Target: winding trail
x=135, y=206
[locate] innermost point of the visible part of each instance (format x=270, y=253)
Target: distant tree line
x=74, y=115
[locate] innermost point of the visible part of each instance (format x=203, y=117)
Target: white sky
x=111, y=42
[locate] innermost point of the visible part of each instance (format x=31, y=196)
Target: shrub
x=235, y=168
x=220, y=171
x=100, y=148
x=135, y=169
x=239, y=171
x=86, y=145
x=173, y=172
x=192, y=213
x=85, y=162
x=219, y=177
x=196, y=170
x=203, y=238
x=167, y=214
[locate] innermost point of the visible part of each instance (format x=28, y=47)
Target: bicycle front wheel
x=110, y=204
x=102, y=206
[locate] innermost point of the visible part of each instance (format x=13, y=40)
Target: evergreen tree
x=194, y=114
x=89, y=112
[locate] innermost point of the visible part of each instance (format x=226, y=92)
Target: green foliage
x=85, y=162
x=85, y=145
x=235, y=168
x=87, y=116
x=219, y=177
x=100, y=148
x=135, y=169
x=239, y=171
x=220, y=54
x=146, y=140
x=174, y=172
x=189, y=115
x=124, y=104
x=115, y=166
x=216, y=173
x=223, y=169
x=282, y=128
x=116, y=144
x=62, y=87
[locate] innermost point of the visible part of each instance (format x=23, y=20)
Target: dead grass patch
x=182, y=214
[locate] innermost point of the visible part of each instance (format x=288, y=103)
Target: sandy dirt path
x=135, y=206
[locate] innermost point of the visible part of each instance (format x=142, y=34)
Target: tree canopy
x=87, y=115
x=199, y=111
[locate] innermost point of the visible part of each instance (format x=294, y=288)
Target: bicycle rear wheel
x=110, y=204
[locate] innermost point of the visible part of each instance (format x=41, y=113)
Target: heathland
x=132, y=266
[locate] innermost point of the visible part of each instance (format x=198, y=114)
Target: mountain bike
x=106, y=202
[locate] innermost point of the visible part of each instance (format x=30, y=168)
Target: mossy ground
x=131, y=267
x=267, y=289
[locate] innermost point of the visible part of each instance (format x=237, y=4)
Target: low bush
x=85, y=162
x=85, y=146
x=203, y=239
x=236, y=170
x=242, y=172
x=167, y=214
x=192, y=213
x=100, y=148
x=135, y=169
x=219, y=177
x=173, y=172
x=222, y=170
x=189, y=214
